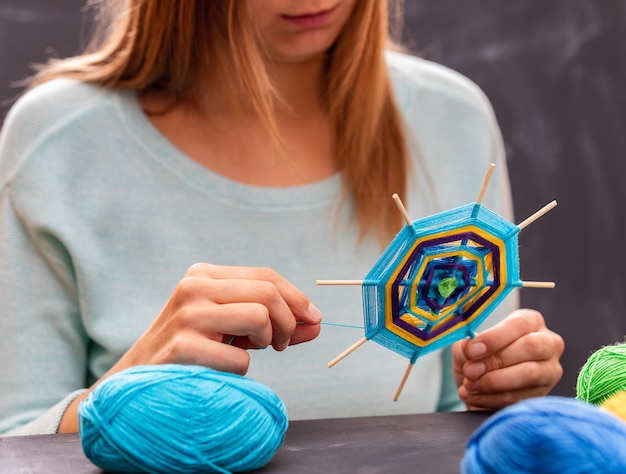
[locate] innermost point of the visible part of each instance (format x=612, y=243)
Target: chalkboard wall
x=555, y=71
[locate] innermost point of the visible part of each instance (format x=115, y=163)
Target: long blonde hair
x=161, y=45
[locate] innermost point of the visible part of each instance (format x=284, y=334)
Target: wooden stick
x=538, y=284
x=402, y=209
x=537, y=215
x=339, y=282
x=481, y=194
x=350, y=349
x=403, y=381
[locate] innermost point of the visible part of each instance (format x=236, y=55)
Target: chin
x=314, y=45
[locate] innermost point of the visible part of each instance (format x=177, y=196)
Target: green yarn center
x=447, y=286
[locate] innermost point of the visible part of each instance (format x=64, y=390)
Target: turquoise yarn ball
x=181, y=419
x=548, y=435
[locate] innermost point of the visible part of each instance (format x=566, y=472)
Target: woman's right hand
x=213, y=305
x=215, y=314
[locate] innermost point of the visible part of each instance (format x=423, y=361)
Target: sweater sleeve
x=48, y=422
x=43, y=346
x=449, y=399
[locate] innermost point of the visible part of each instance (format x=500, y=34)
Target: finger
x=302, y=334
x=297, y=301
x=458, y=360
x=249, y=320
x=305, y=333
x=494, y=339
x=198, y=350
x=495, y=393
x=535, y=346
x=495, y=401
x=521, y=376
x=232, y=291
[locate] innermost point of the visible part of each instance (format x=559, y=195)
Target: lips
x=311, y=20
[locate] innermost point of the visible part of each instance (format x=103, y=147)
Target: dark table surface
x=429, y=443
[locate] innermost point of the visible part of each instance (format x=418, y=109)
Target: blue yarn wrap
x=548, y=435
x=181, y=419
x=470, y=234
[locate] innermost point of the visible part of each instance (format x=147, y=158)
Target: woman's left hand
x=514, y=360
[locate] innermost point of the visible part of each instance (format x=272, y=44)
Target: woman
x=264, y=137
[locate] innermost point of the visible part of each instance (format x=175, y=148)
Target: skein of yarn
x=616, y=405
x=181, y=419
x=548, y=435
x=603, y=375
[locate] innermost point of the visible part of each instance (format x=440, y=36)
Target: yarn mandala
x=439, y=279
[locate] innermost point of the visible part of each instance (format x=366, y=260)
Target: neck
x=236, y=144
x=299, y=85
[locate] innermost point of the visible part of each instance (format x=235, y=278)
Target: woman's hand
x=516, y=359
x=214, y=314
x=217, y=312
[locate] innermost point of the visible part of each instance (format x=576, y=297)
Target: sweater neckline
x=316, y=194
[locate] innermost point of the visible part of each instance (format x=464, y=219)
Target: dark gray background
x=555, y=71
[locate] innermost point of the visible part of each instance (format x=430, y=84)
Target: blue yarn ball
x=181, y=419
x=548, y=435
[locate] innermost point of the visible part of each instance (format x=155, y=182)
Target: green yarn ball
x=603, y=375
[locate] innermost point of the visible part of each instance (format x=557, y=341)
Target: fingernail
x=476, y=349
x=315, y=313
x=475, y=370
x=285, y=345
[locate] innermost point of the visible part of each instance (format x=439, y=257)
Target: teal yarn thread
x=548, y=435
x=181, y=419
x=603, y=374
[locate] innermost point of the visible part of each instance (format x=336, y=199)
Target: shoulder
x=62, y=89
x=52, y=102
x=452, y=131
x=418, y=82
x=56, y=112
x=55, y=104
x=442, y=107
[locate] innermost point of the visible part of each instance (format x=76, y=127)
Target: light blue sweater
x=100, y=216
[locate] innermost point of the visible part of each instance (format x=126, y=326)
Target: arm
x=43, y=348
x=51, y=292
x=43, y=345
x=214, y=314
